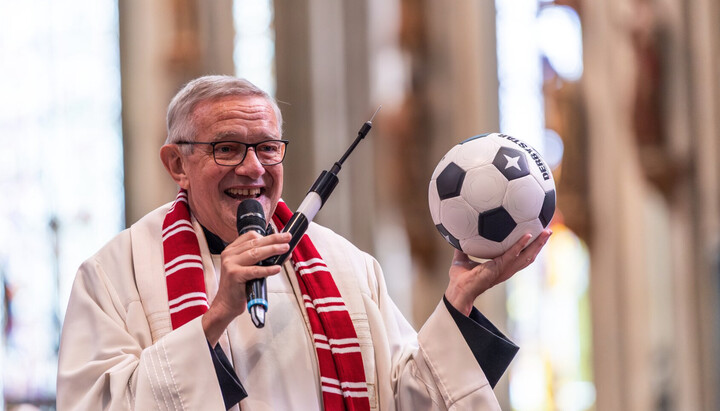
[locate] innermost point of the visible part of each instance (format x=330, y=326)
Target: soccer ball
x=488, y=191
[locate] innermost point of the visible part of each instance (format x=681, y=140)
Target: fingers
x=510, y=257
x=518, y=247
x=240, y=258
x=532, y=250
x=521, y=254
x=239, y=264
x=255, y=271
x=252, y=239
x=528, y=255
x=469, y=279
x=242, y=273
x=252, y=248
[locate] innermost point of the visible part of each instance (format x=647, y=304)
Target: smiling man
x=157, y=318
x=212, y=127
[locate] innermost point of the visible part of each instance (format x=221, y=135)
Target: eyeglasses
x=232, y=153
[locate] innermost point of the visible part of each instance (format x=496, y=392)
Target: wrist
x=458, y=300
x=214, y=324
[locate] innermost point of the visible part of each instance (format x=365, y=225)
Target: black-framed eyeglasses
x=232, y=153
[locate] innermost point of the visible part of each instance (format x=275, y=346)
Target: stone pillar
x=163, y=44
x=323, y=89
x=654, y=282
x=451, y=95
x=701, y=291
x=618, y=312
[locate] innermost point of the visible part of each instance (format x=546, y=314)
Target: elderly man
x=157, y=317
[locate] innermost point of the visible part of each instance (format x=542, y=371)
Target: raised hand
x=469, y=279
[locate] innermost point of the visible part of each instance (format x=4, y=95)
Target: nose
x=250, y=166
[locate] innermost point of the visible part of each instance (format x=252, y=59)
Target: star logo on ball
x=512, y=162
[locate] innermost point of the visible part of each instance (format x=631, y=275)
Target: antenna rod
x=317, y=195
x=361, y=135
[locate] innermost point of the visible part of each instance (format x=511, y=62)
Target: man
x=157, y=318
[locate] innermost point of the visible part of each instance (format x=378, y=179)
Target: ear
x=174, y=163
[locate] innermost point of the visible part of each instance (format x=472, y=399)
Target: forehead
x=242, y=116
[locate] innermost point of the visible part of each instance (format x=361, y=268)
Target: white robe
x=118, y=350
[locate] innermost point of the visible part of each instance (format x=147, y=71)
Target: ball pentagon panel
x=444, y=161
x=511, y=163
x=495, y=224
x=548, y=208
x=449, y=181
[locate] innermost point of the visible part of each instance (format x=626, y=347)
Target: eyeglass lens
x=232, y=152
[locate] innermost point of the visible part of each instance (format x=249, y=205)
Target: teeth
x=244, y=191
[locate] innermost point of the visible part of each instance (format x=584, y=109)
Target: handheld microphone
x=251, y=217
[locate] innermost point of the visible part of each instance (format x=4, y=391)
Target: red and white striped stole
x=183, y=264
x=338, y=349
x=342, y=375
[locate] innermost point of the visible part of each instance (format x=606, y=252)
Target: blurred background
x=622, y=97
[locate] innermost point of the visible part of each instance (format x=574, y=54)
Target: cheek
x=278, y=182
x=206, y=182
x=278, y=175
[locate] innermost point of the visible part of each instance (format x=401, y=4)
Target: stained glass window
x=255, y=42
x=548, y=303
x=60, y=172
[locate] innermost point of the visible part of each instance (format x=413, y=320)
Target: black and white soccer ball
x=488, y=191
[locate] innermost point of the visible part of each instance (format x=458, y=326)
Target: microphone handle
x=256, y=292
x=257, y=304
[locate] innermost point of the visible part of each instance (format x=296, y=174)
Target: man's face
x=214, y=191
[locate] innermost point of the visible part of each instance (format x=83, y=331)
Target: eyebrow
x=235, y=136
x=225, y=135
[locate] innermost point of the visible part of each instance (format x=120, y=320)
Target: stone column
x=323, y=89
x=654, y=192
x=163, y=44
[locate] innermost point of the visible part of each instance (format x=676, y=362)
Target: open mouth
x=243, y=193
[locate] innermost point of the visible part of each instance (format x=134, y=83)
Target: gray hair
x=180, y=121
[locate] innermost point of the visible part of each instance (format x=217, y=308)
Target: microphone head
x=250, y=216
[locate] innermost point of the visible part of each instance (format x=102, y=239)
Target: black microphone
x=251, y=217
